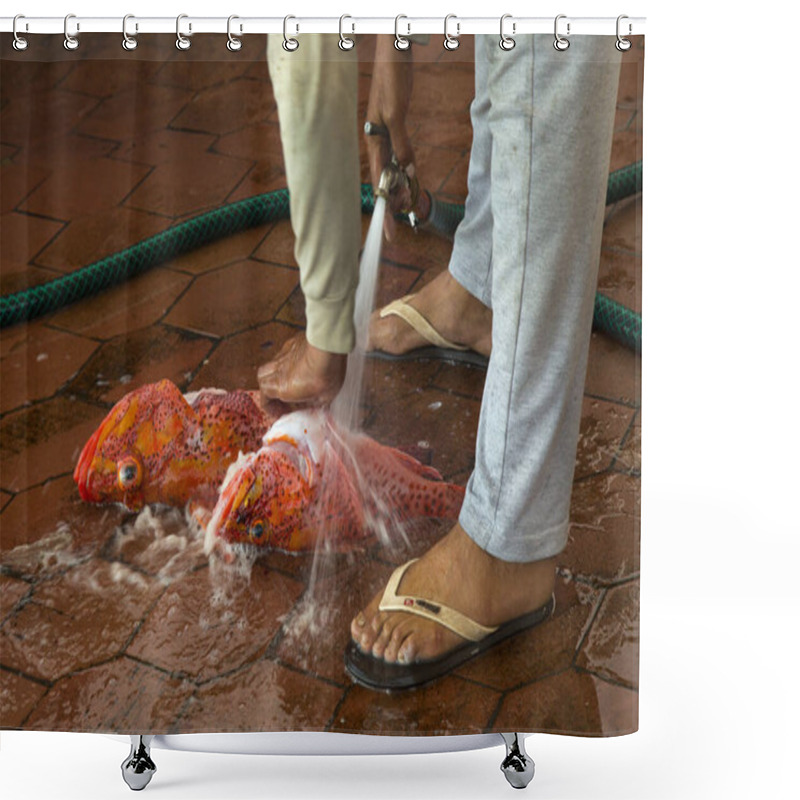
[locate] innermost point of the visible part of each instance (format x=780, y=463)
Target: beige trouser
x=316, y=88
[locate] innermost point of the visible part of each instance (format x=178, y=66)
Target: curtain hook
x=451, y=42
x=290, y=45
x=401, y=42
x=560, y=43
x=623, y=44
x=70, y=42
x=234, y=42
x=128, y=42
x=182, y=43
x=345, y=43
x=507, y=42
x=19, y=42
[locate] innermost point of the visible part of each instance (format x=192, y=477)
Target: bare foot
x=457, y=573
x=451, y=310
x=302, y=373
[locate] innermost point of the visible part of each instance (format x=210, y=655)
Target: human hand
x=389, y=98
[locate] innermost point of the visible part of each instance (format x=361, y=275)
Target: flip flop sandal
x=374, y=673
x=440, y=349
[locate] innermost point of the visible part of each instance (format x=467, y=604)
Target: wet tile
x=233, y=298
x=570, y=703
x=454, y=187
x=204, y=627
x=603, y=426
x=43, y=115
x=17, y=181
x=278, y=246
x=448, y=424
x=544, y=650
x=258, y=141
x=17, y=277
x=190, y=72
x=188, y=185
x=127, y=115
x=12, y=590
x=91, y=237
x=626, y=149
x=160, y=542
x=620, y=278
x=629, y=458
x=40, y=368
x=49, y=528
x=108, y=77
x=422, y=251
x=461, y=379
x=119, y=697
x=144, y=356
x=264, y=177
x=227, y=107
x=43, y=441
x=61, y=151
x=389, y=381
x=605, y=518
x=77, y=620
x=84, y=187
x=448, y=706
x=23, y=236
x=293, y=311
x=611, y=649
x=317, y=631
x=220, y=253
x=395, y=281
x=235, y=362
x=18, y=697
x=164, y=146
x=623, y=228
x=614, y=372
x=137, y=303
x=265, y=697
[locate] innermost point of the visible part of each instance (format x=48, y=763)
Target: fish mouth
x=224, y=525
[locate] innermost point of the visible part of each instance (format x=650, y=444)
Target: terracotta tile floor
x=111, y=622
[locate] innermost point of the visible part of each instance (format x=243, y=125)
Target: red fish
x=313, y=481
x=157, y=446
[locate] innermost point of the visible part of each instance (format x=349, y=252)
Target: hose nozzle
x=394, y=178
x=391, y=178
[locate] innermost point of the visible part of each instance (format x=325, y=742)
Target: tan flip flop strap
x=409, y=314
x=449, y=618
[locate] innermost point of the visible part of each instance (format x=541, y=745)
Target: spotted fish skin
x=158, y=446
x=311, y=481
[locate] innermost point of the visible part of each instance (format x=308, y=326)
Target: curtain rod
x=347, y=25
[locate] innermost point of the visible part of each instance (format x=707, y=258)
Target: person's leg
x=316, y=89
x=549, y=172
x=457, y=302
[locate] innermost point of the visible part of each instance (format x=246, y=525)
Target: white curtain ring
x=128, y=42
x=19, y=43
x=70, y=42
x=345, y=43
x=451, y=42
x=401, y=42
x=289, y=44
x=507, y=42
x=234, y=42
x=560, y=43
x=622, y=44
x=182, y=42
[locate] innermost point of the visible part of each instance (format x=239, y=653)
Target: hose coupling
x=394, y=178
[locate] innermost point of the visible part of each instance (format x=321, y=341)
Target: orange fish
x=311, y=481
x=157, y=446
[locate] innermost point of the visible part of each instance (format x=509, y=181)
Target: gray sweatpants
x=529, y=248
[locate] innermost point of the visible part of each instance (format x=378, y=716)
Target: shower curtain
x=134, y=164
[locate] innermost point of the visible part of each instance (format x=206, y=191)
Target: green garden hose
x=613, y=318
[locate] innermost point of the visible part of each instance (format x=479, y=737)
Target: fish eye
x=129, y=473
x=257, y=530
